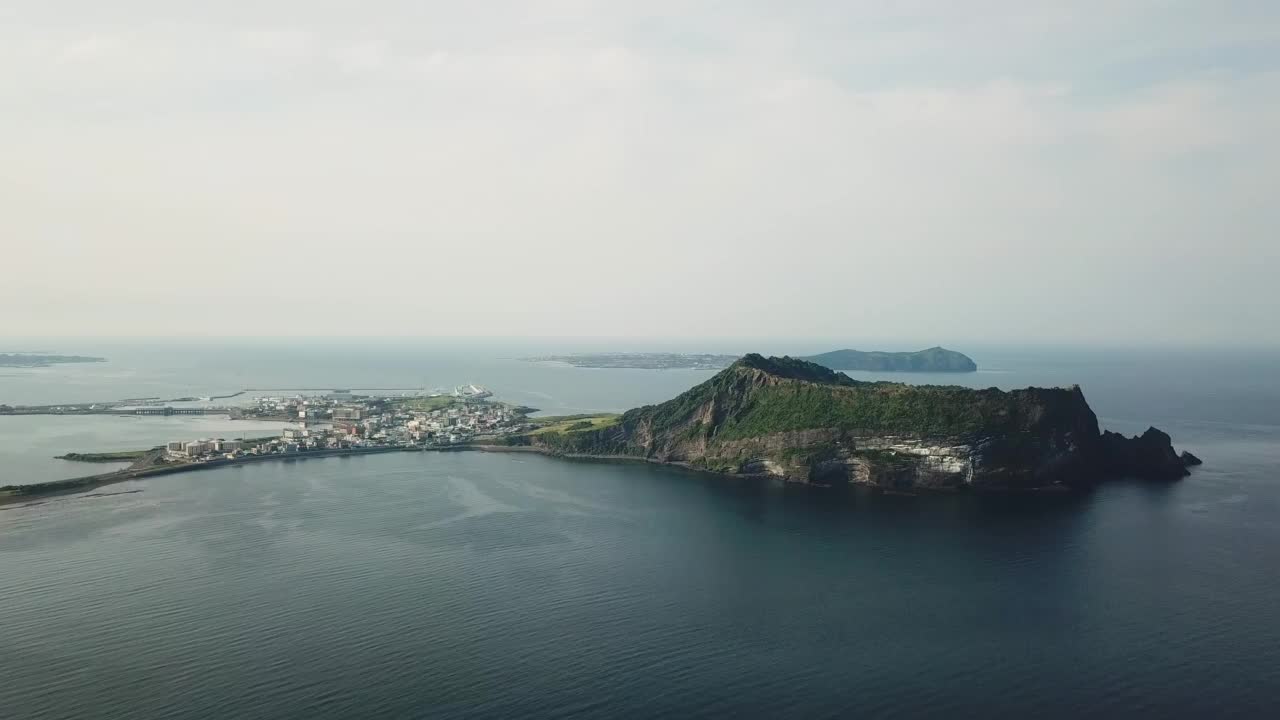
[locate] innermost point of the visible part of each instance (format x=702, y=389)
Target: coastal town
x=341, y=420
x=314, y=423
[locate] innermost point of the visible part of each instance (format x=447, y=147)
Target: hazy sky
x=932, y=170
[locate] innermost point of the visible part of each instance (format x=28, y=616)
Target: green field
x=573, y=423
x=428, y=404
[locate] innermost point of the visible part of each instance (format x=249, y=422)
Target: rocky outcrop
x=805, y=423
x=1149, y=455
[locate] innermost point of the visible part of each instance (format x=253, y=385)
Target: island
x=934, y=359
x=801, y=422
x=35, y=360
x=641, y=360
x=777, y=417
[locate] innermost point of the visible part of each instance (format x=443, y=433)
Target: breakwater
x=19, y=493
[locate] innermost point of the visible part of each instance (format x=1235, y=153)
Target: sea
x=470, y=585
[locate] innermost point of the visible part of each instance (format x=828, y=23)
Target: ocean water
x=29, y=444
x=472, y=585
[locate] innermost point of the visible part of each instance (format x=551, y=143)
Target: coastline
x=39, y=492
x=71, y=486
x=1044, y=490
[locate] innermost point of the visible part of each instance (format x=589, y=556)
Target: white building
x=347, y=413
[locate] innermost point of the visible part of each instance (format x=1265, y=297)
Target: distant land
x=935, y=359
x=19, y=359
x=641, y=361
x=806, y=423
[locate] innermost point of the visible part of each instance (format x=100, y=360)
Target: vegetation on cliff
x=761, y=396
x=758, y=396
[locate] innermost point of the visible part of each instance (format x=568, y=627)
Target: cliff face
x=805, y=423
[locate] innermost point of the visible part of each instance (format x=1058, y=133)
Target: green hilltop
x=800, y=420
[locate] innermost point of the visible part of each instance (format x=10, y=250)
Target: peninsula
x=34, y=360
x=802, y=422
x=935, y=359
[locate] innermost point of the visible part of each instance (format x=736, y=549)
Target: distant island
x=641, y=361
x=935, y=359
x=802, y=422
x=30, y=360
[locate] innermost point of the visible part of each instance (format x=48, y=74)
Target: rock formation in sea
x=805, y=423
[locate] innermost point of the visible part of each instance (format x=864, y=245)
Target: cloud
x=277, y=43
x=920, y=169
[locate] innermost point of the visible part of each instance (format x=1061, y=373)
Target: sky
x=935, y=171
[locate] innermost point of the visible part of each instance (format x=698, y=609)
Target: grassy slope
x=428, y=404
x=877, y=407
x=764, y=396
x=573, y=423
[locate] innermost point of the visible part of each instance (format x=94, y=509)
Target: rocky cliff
x=806, y=423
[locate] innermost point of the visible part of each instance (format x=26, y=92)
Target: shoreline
x=39, y=492
x=690, y=467
x=71, y=486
